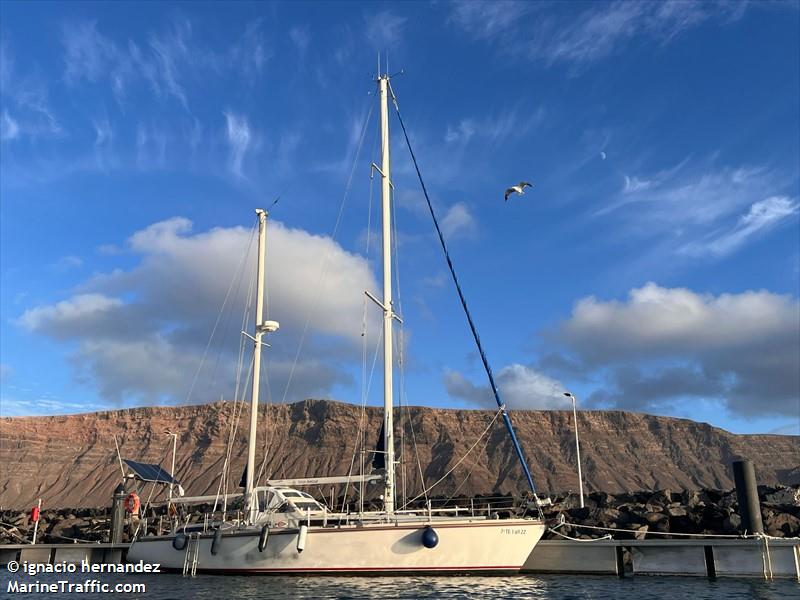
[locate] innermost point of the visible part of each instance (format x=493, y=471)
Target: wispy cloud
x=459, y=222
x=87, y=53
x=287, y=151
x=151, y=146
x=167, y=60
x=28, y=95
x=384, y=29
x=104, y=136
x=300, y=38
x=600, y=30
x=762, y=216
x=495, y=128
x=9, y=128
x=239, y=137
x=698, y=207
x=169, y=53
x=66, y=263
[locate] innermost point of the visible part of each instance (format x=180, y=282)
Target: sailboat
x=284, y=530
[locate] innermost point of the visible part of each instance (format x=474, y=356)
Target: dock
x=98, y=553
x=766, y=558
x=763, y=558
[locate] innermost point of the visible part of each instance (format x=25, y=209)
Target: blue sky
x=654, y=266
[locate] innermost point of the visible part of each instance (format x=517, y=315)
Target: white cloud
x=9, y=128
x=103, y=131
x=141, y=333
x=657, y=319
x=697, y=210
x=762, y=216
x=384, y=29
x=28, y=95
x=300, y=38
x=239, y=136
x=634, y=184
x=167, y=60
x=170, y=53
x=461, y=133
x=104, y=136
x=692, y=198
x=598, y=31
x=151, y=147
x=68, y=262
x=287, y=151
x=458, y=221
x=495, y=128
x=521, y=388
x=741, y=348
x=486, y=20
x=70, y=317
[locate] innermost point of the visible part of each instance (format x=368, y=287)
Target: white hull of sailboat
x=463, y=546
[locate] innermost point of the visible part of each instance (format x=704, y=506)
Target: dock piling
x=117, y=514
x=744, y=477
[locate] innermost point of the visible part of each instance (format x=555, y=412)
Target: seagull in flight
x=519, y=189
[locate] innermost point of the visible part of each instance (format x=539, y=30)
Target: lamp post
x=172, y=471
x=577, y=444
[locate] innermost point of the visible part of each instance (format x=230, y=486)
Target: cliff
x=70, y=461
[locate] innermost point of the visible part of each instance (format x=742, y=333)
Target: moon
x=603, y=155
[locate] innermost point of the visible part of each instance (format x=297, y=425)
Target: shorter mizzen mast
x=261, y=328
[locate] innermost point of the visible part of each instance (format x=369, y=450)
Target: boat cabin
x=275, y=501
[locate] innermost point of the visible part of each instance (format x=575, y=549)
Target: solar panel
x=150, y=472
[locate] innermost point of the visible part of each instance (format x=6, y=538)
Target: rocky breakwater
x=63, y=526
x=650, y=515
x=632, y=515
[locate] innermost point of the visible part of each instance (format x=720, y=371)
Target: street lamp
x=172, y=471
x=577, y=444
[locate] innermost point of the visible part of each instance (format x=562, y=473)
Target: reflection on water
x=551, y=587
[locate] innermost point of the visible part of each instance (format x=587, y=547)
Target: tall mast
x=388, y=312
x=261, y=327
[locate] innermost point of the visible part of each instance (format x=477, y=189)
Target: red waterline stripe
x=361, y=569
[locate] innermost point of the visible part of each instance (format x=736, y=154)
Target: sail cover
x=150, y=472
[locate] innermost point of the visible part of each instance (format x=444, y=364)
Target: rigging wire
x=378, y=341
x=469, y=473
x=455, y=466
x=476, y=337
x=238, y=403
x=236, y=279
x=325, y=261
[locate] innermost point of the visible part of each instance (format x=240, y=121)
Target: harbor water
x=551, y=587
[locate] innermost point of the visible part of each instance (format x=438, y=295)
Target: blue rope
x=506, y=418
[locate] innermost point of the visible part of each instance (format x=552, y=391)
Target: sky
x=654, y=265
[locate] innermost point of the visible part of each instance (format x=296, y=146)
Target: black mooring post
x=744, y=477
x=118, y=514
